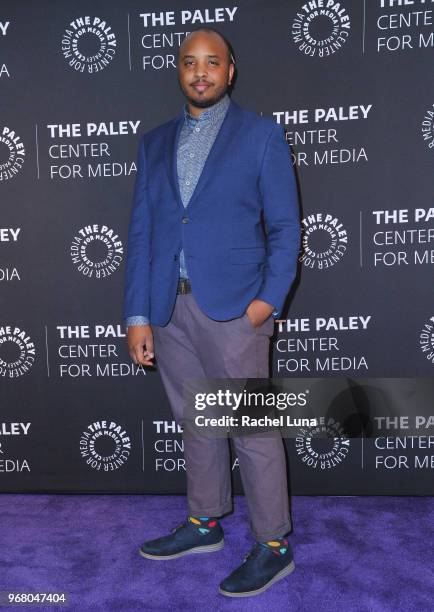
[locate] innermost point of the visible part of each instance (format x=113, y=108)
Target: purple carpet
x=351, y=553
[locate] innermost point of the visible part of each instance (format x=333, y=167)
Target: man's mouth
x=201, y=86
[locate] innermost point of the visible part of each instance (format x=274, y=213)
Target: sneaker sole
x=197, y=549
x=284, y=572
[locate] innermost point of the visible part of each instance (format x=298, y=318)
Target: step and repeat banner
x=350, y=82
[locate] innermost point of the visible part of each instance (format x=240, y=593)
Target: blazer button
x=185, y=219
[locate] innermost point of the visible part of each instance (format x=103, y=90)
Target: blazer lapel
x=227, y=130
x=172, y=140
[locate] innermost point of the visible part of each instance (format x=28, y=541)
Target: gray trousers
x=194, y=346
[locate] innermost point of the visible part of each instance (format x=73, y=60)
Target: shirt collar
x=212, y=113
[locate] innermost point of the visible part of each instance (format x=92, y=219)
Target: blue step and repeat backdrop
x=351, y=84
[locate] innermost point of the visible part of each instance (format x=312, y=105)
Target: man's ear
x=231, y=73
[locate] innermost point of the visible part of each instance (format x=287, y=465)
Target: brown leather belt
x=184, y=286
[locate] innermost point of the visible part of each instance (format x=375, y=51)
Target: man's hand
x=258, y=311
x=140, y=342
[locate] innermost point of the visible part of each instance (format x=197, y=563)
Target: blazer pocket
x=247, y=255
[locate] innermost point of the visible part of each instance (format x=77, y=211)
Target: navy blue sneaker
x=183, y=540
x=261, y=568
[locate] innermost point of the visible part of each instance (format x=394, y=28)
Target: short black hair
x=231, y=54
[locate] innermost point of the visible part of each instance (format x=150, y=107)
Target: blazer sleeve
x=281, y=208
x=137, y=267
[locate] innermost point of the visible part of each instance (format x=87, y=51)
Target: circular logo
x=426, y=340
x=105, y=446
x=88, y=44
x=324, y=241
x=428, y=127
x=17, y=352
x=12, y=153
x=323, y=452
x=96, y=251
x=320, y=28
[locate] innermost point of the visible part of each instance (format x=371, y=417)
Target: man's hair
x=208, y=30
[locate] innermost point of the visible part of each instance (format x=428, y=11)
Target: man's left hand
x=258, y=311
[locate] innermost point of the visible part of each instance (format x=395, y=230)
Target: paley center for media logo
x=324, y=241
x=428, y=127
x=320, y=27
x=96, y=251
x=17, y=352
x=426, y=340
x=105, y=446
x=89, y=44
x=323, y=446
x=12, y=153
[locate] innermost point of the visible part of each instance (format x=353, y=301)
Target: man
x=203, y=282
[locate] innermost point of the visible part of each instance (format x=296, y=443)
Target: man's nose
x=201, y=70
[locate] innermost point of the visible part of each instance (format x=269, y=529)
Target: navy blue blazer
x=247, y=179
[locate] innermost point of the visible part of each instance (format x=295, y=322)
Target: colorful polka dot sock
x=279, y=546
x=204, y=524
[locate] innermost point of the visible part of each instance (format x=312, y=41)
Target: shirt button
x=197, y=129
x=187, y=182
x=185, y=219
x=191, y=154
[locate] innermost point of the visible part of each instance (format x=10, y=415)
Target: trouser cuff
x=216, y=511
x=263, y=536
